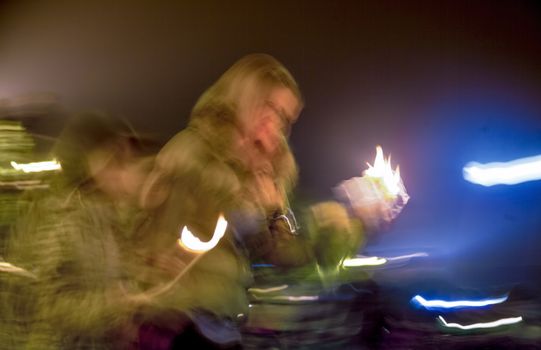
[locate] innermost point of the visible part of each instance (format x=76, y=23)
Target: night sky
x=436, y=83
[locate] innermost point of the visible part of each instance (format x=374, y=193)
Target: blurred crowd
x=91, y=251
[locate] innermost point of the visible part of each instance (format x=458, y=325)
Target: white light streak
x=408, y=256
x=506, y=173
x=444, y=304
x=286, y=219
x=188, y=241
x=365, y=261
x=497, y=323
x=37, y=167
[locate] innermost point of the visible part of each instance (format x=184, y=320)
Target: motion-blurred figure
x=234, y=158
x=22, y=152
x=68, y=238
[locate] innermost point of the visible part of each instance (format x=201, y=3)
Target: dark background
x=436, y=83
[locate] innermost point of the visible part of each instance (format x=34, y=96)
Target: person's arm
x=335, y=235
x=199, y=188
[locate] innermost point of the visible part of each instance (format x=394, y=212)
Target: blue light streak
x=262, y=265
x=444, y=304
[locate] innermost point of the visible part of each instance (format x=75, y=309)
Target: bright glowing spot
x=444, y=304
x=382, y=170
x=190, y=242
x=508, y=173
x=497, y=323
x=37, y=167
x=366, y=261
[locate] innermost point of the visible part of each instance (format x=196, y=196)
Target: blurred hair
x=247, y=81
x=88, y=132
x=223, y=110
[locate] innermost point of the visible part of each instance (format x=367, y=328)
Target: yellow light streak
x=268, y=290
x=10, y=268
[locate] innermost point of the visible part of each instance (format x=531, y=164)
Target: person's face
x=118, y=176
x=275, y=117
x=105, y=171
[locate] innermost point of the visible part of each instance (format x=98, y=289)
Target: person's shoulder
x=184, y=151
x=190, y=156
x=187, y=140
x=52, y=200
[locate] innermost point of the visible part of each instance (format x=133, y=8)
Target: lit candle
x=383, y=172
x=378, y=196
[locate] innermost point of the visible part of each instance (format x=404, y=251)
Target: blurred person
x=233, y=158
x=69, y=239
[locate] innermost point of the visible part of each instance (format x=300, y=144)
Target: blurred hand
x=331, y=215
x=368, y=201
x=335, y=234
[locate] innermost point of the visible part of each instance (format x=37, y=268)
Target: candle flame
x=382, y=170
x=188, y=241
